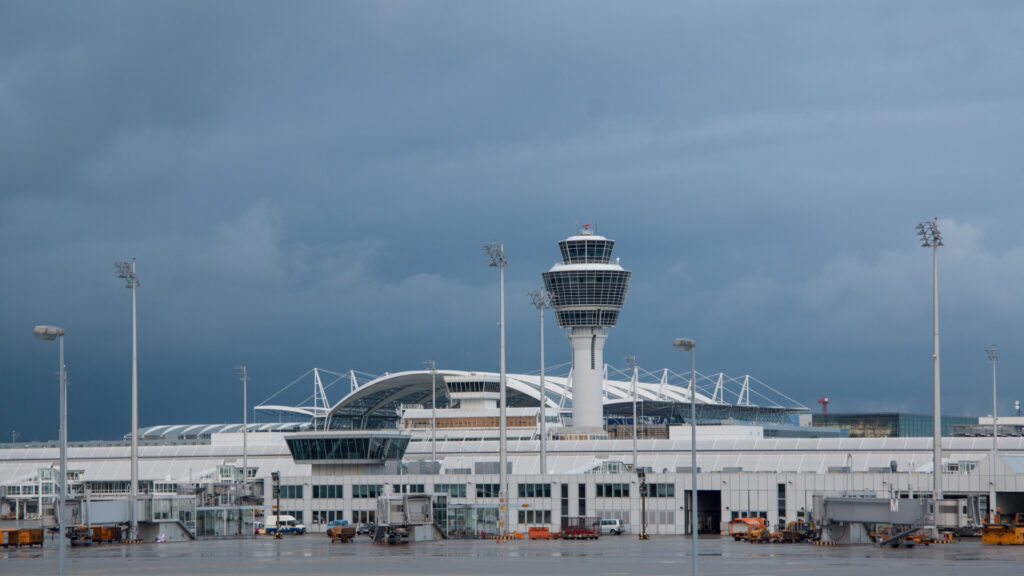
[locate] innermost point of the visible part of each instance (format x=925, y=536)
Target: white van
x=611, y=526
x=287, y=523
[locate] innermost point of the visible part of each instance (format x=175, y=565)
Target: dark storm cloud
x=311, y=184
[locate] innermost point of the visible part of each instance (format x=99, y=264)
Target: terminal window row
x=328, y=491
x=661, y=490
x=470, y=422
x=325, y=516
x=453, y=490
x=488, y=490
x=410, y=488
x=367, y=490
x=535, y=490
x=535, y=516
x=613, y=490
x=291, y=491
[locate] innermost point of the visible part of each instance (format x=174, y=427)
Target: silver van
x=611, y=526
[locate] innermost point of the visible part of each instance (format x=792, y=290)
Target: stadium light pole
x=243, y=373
x=993, y=357
x=686, y=344
x=126, y=271
x=496, y=256
x=541, y=300
x=433, y=413
x=932, y=238
x=49, y=333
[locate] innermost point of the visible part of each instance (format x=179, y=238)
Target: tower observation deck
x=587, y=290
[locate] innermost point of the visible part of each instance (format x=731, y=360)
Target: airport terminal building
x=437, y=432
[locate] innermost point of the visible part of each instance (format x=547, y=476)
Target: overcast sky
x=310, y=184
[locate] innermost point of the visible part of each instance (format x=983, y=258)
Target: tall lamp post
x=496, y=256
x=632, y=362
x=51, y=333
x=126, y=271
x=433, y=413
x=993, y=357
x=243, y=373
x=686, y=344
x=541, y=300
x=932, y=238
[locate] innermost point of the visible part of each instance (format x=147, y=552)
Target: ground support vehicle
x=341, y=534
x=285, y=524
x=80, y=535
x=747, y=528
x=580, y=528
x=391, y=534
x=106, y=533
x=799, y=531
x=999, y=533
x=540, y=533
x=19, y=537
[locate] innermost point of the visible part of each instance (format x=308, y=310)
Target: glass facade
x=586, y=250
x=890, y=424
x=347, y=448
x=225, y=523
x=473, y=386
x=604, y=287
x=471, y=522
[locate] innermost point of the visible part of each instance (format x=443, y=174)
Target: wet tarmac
x=611, y=556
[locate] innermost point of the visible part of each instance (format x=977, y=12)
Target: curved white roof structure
x=376, y=404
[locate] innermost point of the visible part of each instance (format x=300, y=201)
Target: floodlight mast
x=50, y=333
x=243, y=374
x=631, y=360
x=433, y=413
x=993, y=357
x=932, y=238
x=496, y=256
x=687, y=345
x=126, y=271
x=541, y=300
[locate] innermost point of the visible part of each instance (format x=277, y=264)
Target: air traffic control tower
x=587, y=290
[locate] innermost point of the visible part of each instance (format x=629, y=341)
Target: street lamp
x=50, y=333
x=932, y=238
x=126, y=271
x=993, y=357
x=686, y=344
x=433, y=413
x=541, y=300
x=243, y=373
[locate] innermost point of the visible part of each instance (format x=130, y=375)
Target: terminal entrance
x=709, y=511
